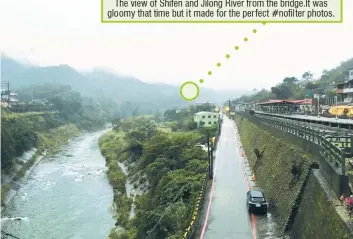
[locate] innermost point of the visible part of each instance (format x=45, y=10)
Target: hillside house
x=8, y=98
x=345, y=89
x=207, y=118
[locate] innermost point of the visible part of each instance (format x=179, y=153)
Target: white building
x=208, y=118
x=345, y=89
x=9, y=97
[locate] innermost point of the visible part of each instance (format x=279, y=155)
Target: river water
x=67, y=196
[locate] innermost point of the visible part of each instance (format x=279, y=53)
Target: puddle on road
x=267, y=227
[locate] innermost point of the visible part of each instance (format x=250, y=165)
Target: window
x=203, y=117
x=209, y=116
x=215, y=122
x=209, y=122
x=215, y=116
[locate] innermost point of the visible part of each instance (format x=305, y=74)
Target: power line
x=3, y=233
x=165, y=212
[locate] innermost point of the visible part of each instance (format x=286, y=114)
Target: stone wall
x=305, y=201
x=320, y=214
x=273, y=170
x=337, y=181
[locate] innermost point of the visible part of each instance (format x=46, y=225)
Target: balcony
x=348, y=90
x=344, y=90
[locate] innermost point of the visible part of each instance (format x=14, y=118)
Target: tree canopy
x=294, y=88
x=166, y=165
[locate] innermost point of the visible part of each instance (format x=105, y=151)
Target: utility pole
x=5, y=234
x=209, y=155
x=8, y=92
x=318, y=105
x=229, y=107
x=211, y=165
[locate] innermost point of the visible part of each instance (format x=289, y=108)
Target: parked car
x=256, y=201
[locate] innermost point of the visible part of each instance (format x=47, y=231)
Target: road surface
x=227, y=216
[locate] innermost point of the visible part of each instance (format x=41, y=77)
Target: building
x=345, y=89
x=9, y=97
x=206, y=119
x=285, y=106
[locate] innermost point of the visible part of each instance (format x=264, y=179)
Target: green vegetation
x=4, y=189
x=47, y=131
x=128, y=92
x=85, y=112
x=317, y=216
x=166, y=169
x=50, y=142
x=21, y=131
x=293, y=88
x=280, y=168
x=46, y=142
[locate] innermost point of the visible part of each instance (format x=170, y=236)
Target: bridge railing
x=335, y=148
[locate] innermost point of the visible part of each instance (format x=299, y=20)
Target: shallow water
x=67, y=196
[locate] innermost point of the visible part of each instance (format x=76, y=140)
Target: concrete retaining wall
x=309, y=206
x=320, y=214
x=336, y=180
x=274, y=170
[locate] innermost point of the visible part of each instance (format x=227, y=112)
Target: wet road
x=228, y=217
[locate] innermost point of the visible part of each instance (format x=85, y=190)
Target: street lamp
x=318, y=105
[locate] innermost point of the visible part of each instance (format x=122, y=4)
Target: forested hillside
x=293, y=88
x=21, y=131
x=165, y=167
x=125, y=90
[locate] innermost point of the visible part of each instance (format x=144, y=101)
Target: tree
x=201, y=124
x=290, y=80
x=135, y=112
x=116, y=122
x=281, y=91
x=170, y=115
x=307, y=76
x=158, y=116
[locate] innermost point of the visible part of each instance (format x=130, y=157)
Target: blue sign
x=310, y=94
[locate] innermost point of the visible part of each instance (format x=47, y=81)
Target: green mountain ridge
x=104, y=83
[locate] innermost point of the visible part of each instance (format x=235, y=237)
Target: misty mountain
x=100, y=83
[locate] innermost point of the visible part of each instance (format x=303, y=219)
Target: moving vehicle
x=256, y=201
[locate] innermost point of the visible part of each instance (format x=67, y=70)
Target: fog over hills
x=101, y=82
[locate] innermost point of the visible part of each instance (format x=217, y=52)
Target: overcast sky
x=48, y=32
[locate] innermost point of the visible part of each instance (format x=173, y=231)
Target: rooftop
x=205, y=112
x=270, y=102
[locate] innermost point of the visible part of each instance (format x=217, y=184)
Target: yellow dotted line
x=197, y=208
x=228, y=55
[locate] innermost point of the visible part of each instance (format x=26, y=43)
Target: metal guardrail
x=325, y=121
x=335, y=148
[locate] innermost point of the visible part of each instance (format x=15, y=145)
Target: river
x=67, y=196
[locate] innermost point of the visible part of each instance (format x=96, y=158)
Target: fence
x=314, y=141
x=24, y=108
x=195, y=216
x=335, y=148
